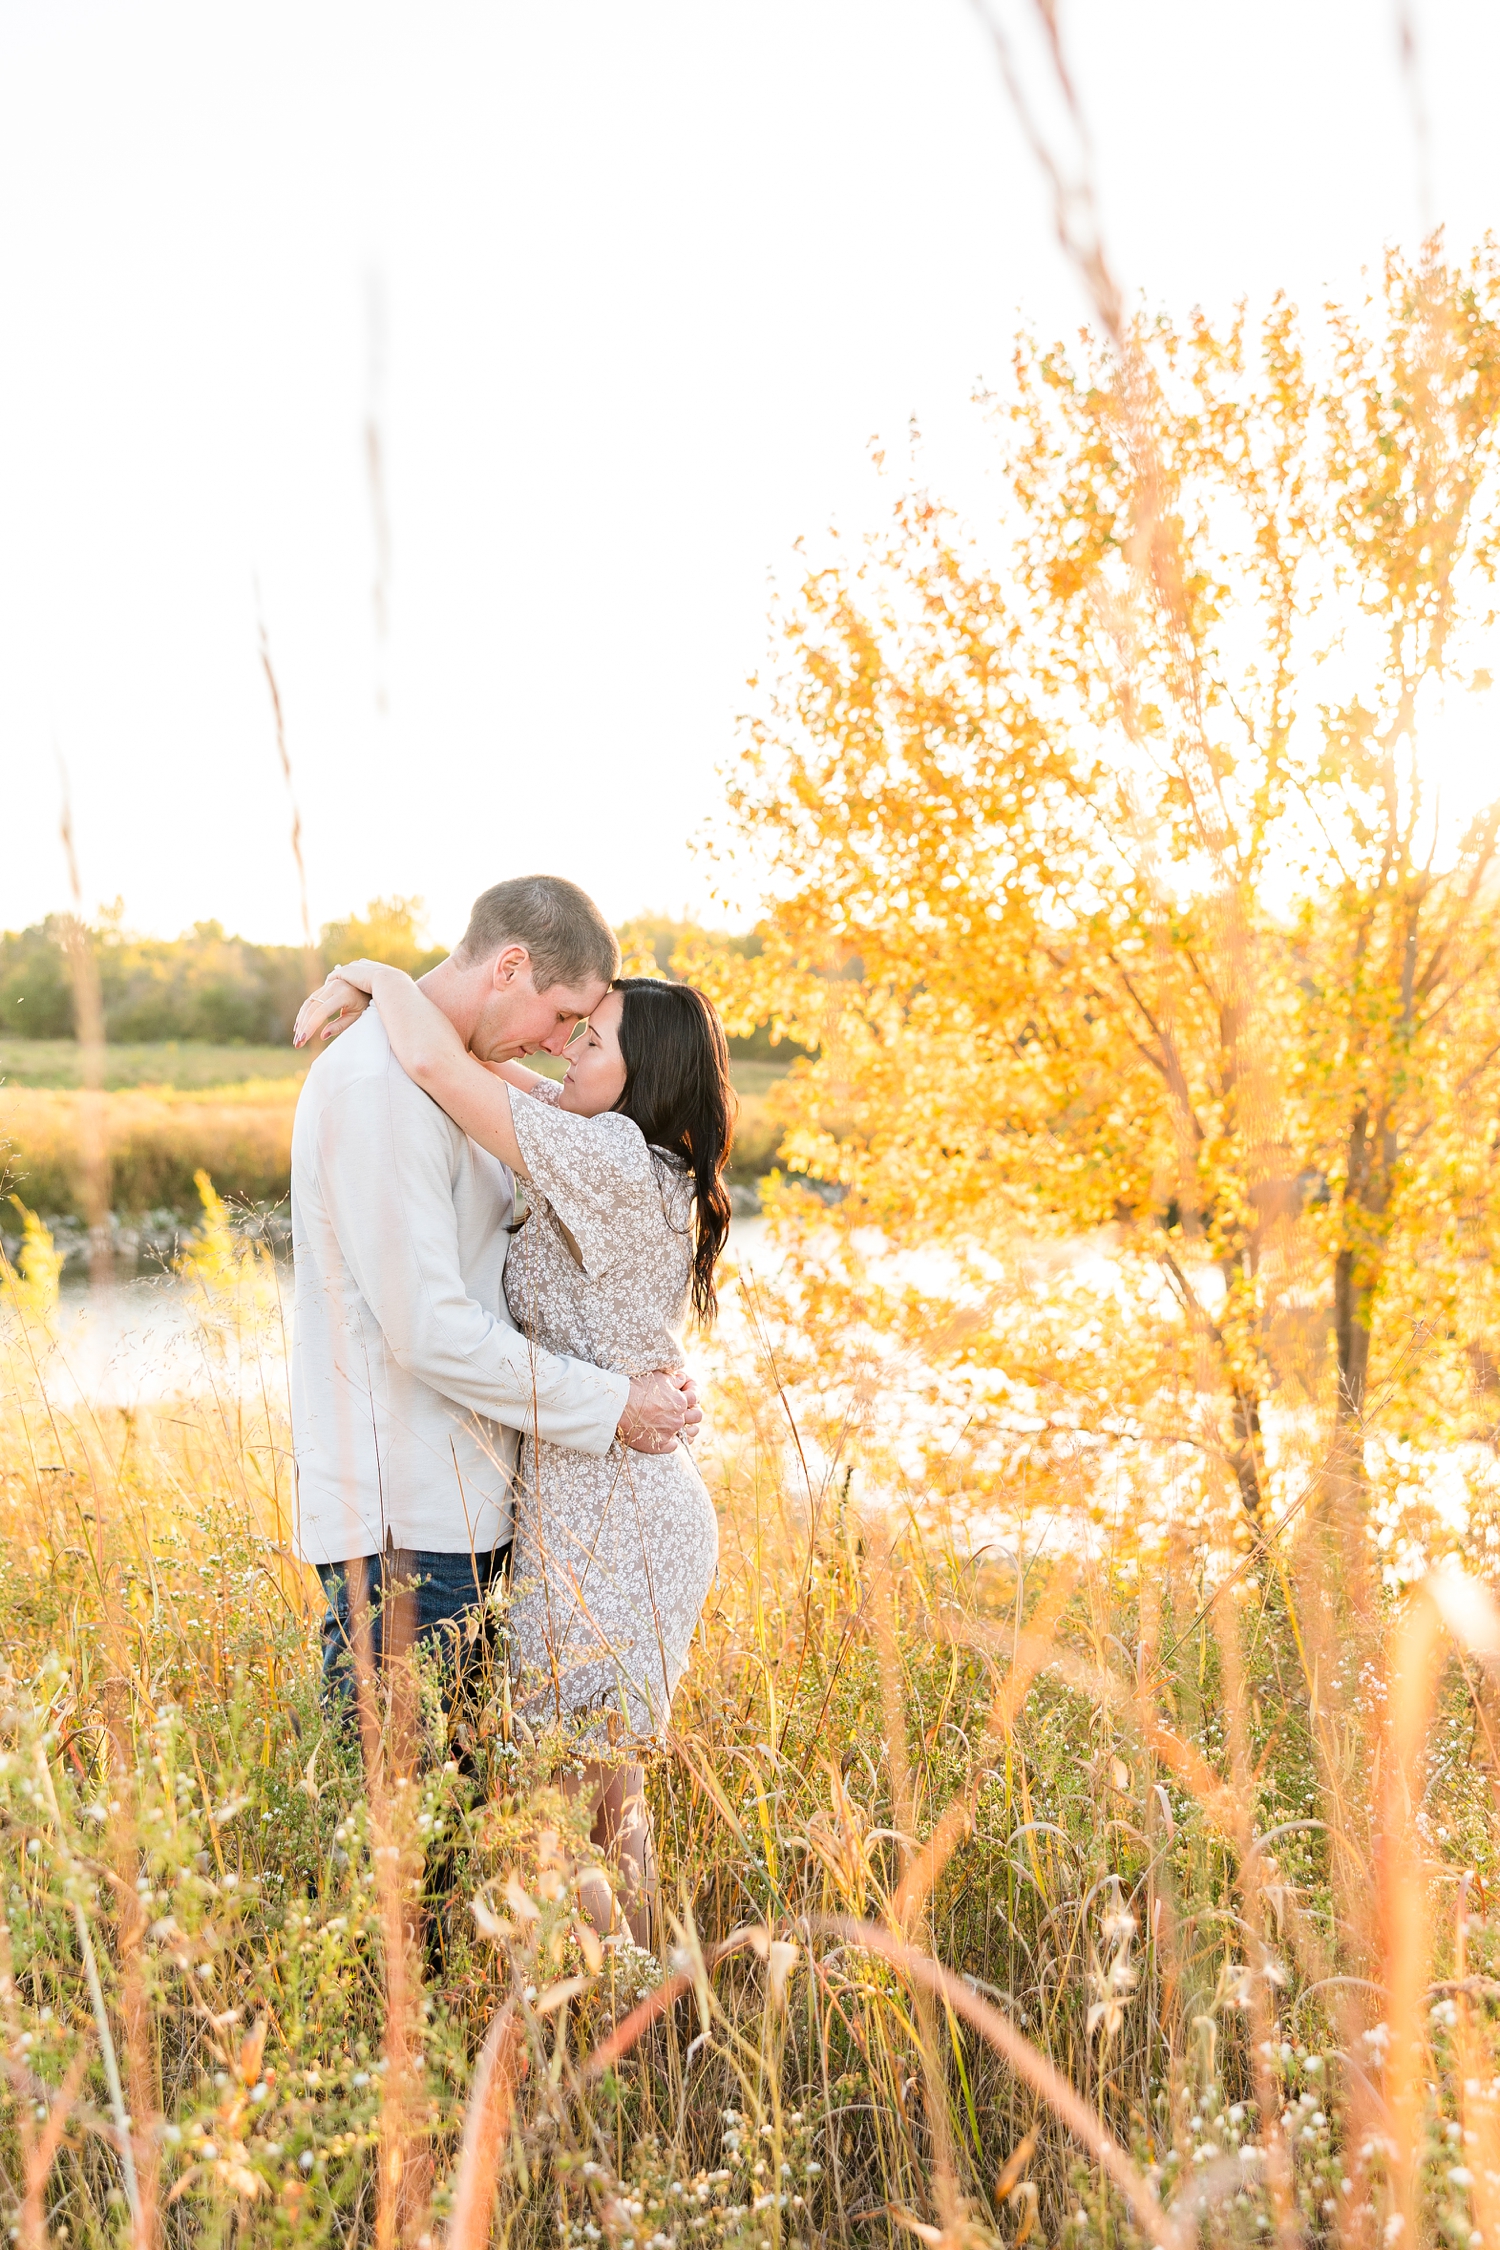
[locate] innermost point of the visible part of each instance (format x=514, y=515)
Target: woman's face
x=596, y=1068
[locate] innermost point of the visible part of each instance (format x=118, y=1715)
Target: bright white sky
x=653, y=272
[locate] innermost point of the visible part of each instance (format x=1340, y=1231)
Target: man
x=409, y=1380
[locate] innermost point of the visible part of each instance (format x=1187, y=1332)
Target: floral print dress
x=613, y=1556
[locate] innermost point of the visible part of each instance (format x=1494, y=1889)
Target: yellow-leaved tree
x=1118, y=873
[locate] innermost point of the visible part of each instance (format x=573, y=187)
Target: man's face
x=515, y=1019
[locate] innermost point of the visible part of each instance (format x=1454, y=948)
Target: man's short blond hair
x=569, y=941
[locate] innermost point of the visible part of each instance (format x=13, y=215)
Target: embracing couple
x=473, y=1396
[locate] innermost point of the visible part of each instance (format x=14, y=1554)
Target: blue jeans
x=413, y=1596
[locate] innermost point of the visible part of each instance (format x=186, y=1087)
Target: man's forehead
x=575, y=999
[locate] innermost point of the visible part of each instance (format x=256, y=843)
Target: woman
x=628, y=1215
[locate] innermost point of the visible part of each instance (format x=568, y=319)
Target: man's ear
x=510, y=962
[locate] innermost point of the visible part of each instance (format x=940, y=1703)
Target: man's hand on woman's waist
x=660, y=1410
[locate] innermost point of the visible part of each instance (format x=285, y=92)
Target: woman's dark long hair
x=677, y=1090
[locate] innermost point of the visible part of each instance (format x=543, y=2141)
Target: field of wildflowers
x=1020, y=1894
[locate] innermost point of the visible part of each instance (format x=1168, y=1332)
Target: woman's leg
x=621, y=1830
x=596, y=1897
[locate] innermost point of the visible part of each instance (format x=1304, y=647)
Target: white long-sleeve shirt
x=409, y=1380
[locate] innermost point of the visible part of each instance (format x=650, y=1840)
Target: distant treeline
x=209, y=985
x=202, y=985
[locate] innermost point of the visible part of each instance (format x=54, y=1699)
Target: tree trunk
x=1351, y=1320
x=1356, y=1277
x=1245, y=1454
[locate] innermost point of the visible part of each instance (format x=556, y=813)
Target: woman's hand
x=339, y=1001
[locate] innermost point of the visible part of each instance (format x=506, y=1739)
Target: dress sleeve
x=384, y=1168
x=597, y=1174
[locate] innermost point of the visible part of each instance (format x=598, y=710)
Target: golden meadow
x=159, y=1136
x=1079, y=1820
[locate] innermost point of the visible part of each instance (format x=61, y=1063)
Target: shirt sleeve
x=384, y=1166
x=596, y=1172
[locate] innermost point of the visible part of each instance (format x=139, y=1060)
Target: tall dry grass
x=1006, y=1897
x=152, y=1141
x=155, y=1140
